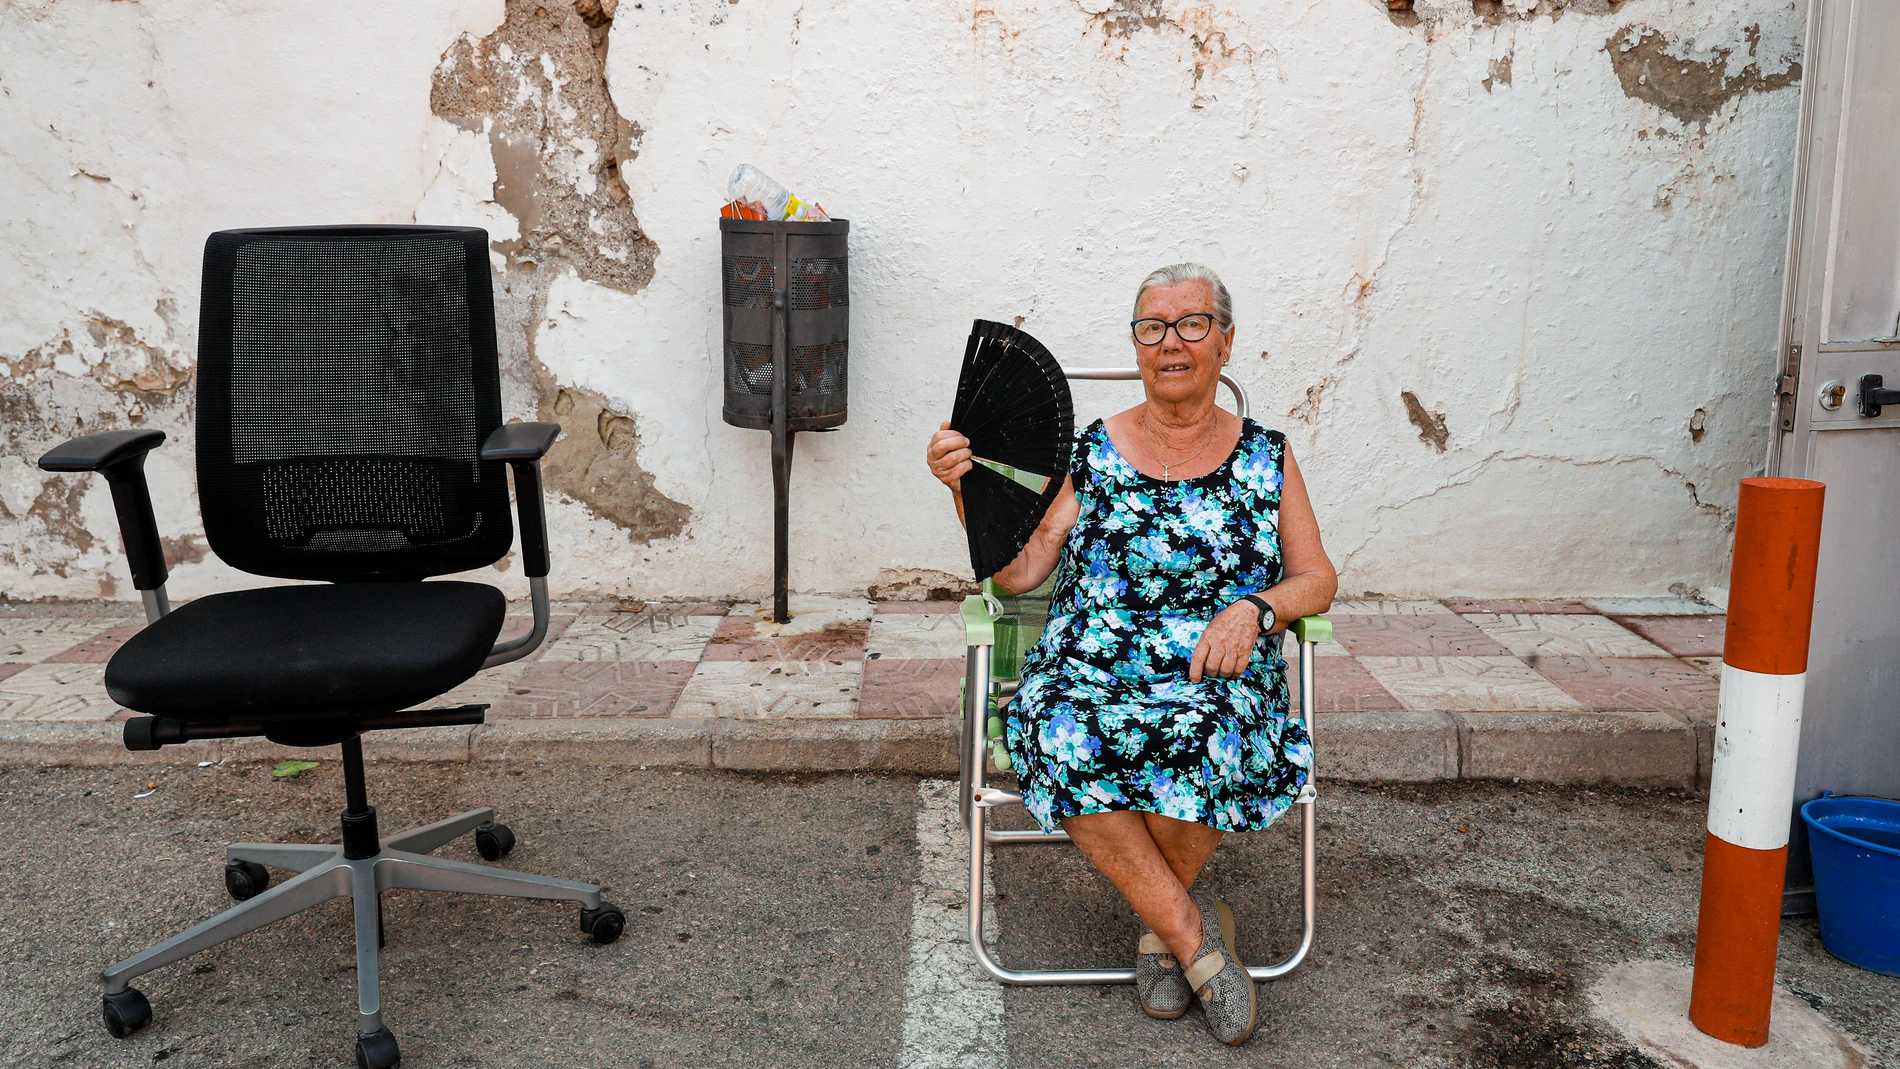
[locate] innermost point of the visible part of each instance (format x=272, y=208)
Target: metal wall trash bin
x=787, y=308
x=815, y=259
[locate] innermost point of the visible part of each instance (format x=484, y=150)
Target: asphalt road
x=769, y=918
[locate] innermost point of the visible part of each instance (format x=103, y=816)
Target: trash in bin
x=752, y=194
x=1856, y=848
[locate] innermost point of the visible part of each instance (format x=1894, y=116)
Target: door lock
x=1873, y=394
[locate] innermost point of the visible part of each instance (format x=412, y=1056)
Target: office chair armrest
x=120, y=457
x=102, y=451
x=522, y=445
x=520, y=441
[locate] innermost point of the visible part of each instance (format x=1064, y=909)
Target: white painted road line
x=953, y=1013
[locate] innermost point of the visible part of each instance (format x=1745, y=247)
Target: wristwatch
x=1267, y=617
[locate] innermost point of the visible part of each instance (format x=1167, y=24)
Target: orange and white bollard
x=1757, y=736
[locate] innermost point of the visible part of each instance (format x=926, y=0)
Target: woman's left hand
x=1227, y=644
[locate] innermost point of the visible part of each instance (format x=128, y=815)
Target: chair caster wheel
x=377, y=1051
x=605, y=924
x=493, y=841
x=245, y=879
x=126, y=1012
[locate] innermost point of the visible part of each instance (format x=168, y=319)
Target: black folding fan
x=1013, y=405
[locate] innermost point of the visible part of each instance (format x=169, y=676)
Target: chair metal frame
x=976, y=797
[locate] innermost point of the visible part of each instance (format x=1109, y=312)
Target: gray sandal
x=1218, y=978
x=1159, y=983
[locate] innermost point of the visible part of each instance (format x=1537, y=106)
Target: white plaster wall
x=1565, y=272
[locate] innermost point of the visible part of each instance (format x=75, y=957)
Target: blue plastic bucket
x=1856, y=848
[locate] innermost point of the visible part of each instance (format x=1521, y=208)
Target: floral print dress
x=1105, y=718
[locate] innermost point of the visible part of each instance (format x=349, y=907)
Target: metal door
x=1840, y=325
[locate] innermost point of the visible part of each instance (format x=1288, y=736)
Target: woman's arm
x=1307, y=585
x=1308, y=581
x=1044, y=551
x=949, y=459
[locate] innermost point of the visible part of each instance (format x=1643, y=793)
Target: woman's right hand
x=949, y=457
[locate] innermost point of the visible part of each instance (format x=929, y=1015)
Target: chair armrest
x=979, y=629
x=120, y=457
x=522, y=445
x=1312, y=629
x=102, y=451
x=520, y=441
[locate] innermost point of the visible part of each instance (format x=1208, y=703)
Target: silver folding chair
x=984, y=623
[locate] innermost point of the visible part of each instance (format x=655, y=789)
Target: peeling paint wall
x=1506, y=271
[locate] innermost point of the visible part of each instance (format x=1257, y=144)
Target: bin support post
x=1757, y=736
x=781, y=431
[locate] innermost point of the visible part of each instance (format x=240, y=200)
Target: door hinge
x=1785, y=387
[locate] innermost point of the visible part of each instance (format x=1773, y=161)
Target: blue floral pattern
x=1106, y=719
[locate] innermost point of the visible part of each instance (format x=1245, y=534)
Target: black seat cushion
x=291, y=650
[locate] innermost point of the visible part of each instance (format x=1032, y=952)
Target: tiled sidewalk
x=1412, y=690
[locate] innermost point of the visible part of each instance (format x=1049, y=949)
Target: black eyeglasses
x=1188, y=328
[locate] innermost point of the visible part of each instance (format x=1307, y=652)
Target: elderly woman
x=1152, y=714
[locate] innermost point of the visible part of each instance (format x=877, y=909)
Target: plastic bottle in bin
x=753, y=188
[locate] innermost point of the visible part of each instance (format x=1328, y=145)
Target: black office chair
x=349, y=431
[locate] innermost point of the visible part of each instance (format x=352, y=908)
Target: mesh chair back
x=346, y=381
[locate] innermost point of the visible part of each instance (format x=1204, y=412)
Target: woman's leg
x=1121, y=847
x=1185, y=844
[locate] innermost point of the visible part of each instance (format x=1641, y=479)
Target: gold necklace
x=1166, y=466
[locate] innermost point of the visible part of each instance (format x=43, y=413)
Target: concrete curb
x=1638, y=748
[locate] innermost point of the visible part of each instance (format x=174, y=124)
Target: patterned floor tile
x=57, y=692
x=633, y=637
x=884, y=608
x=1388, y=608
x=10, y=670
x=31, y=639
x=486, y=688
x=1467, y=683
x=1684, y=636
x=1711, y=665
x=809, y=612
x=1548, y=635
x=1342, y=684
x=88, y=608
x=759, y=689
x=548, y=689
x=910, y=688
x=926, y=635
x=1670, y=606
x=1631, y=683
x=1448, y=635
x=1516, y=605
x=99, y=648
x=634, y=606
x=740, y=638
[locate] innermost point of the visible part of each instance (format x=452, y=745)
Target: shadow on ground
x=1461, y=925
x=766, y=920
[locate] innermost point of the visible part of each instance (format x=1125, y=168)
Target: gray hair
x=1177, y=273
